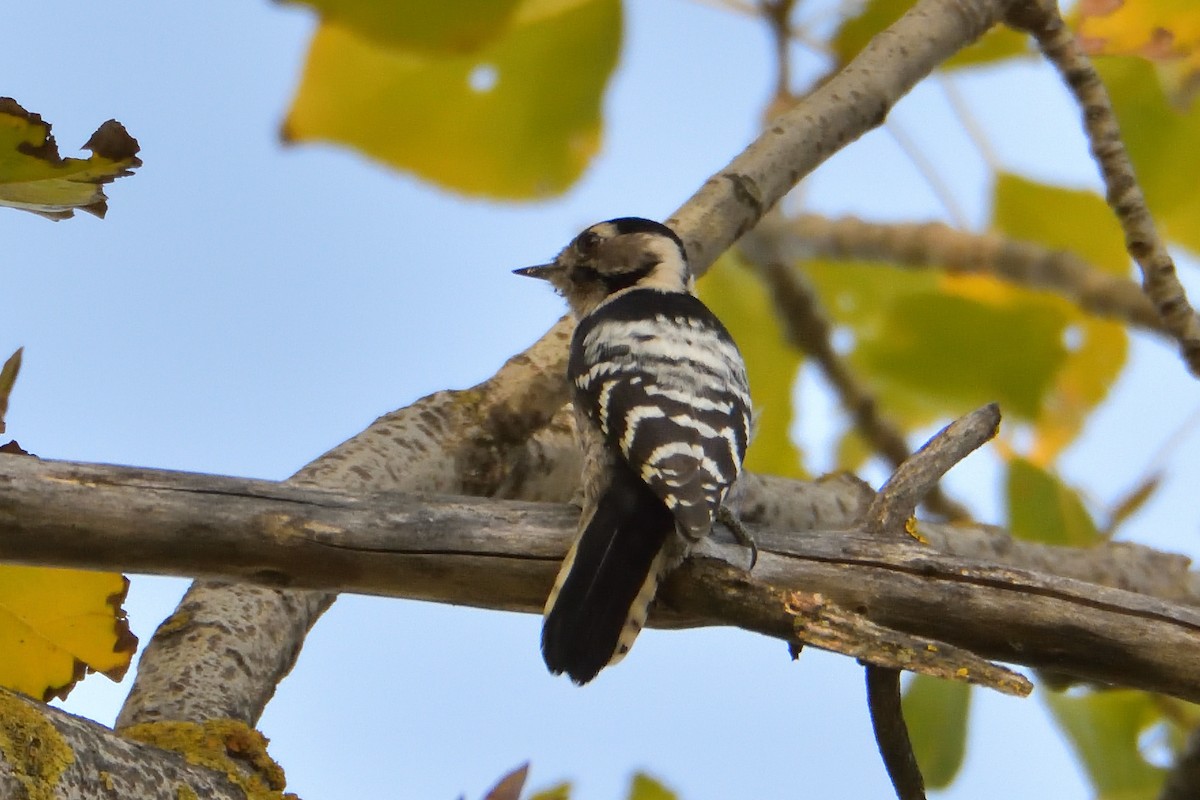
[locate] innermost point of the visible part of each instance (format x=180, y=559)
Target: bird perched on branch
x=662, y=411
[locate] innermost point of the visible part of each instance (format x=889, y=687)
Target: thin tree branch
x=1159, y=280
x=504, y=555
x=891, y=733
x=890, y=515
x=939, y=246
x=897, y=500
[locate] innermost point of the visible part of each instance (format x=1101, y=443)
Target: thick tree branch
x=504, y=555
x=851, y=103
x=70, y=757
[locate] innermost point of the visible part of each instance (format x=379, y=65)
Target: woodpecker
x=662, y=413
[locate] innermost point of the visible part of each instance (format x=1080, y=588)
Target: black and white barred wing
x=665, y=383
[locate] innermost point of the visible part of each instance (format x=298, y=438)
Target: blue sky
x=246, y=306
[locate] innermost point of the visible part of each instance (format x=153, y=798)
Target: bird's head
x=613, y=256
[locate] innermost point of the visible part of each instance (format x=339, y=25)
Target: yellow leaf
x=517, y=119
x=457, y=27
x=742, y=304
x=8, y=376
x=1154, y=29
x=57, y=623
x=33, y=176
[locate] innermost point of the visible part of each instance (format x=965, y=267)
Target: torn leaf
x=34, y=177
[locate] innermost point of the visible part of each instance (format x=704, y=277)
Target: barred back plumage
x=662, y=410
x=663, y=380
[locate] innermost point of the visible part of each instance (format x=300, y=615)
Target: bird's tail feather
x=600, y=599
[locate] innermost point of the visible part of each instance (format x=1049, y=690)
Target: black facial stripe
x=623, y=280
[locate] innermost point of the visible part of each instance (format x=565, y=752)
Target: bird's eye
x=587, y=242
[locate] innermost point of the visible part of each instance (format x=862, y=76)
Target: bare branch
x=1159, y=280
x=891, y=733
x=851, y=103
x=897, y=500
x=503, y=555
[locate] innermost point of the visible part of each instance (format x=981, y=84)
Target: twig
x=891, y=733
x=927, y=171
x=778, y=14
x=970, y=124
x=1159, y=280
x=889, y=514
x=939, y=246
x=897, y=500
x=851, y=103
x=824, y=624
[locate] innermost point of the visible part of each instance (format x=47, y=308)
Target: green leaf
x=856, y=31
x=959, y=352
x=1041, y=508
x=8, y=376
x=742, y=303
x=1079, y=222
x=1104, y=727
x=644, y=787
x=1062, y=219
x=1162, y=145
x=936, y=713
x=457, y=27
x=517, y=119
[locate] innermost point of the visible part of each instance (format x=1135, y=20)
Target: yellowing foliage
x=55, y=624
x=516, y=118
x=8, y=376
x=425, y=26
x=1155, y=29
x=33, y=177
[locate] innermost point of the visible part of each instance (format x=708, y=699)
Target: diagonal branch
x=1159, y=279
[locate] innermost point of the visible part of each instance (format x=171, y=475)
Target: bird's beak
x=544, y=271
